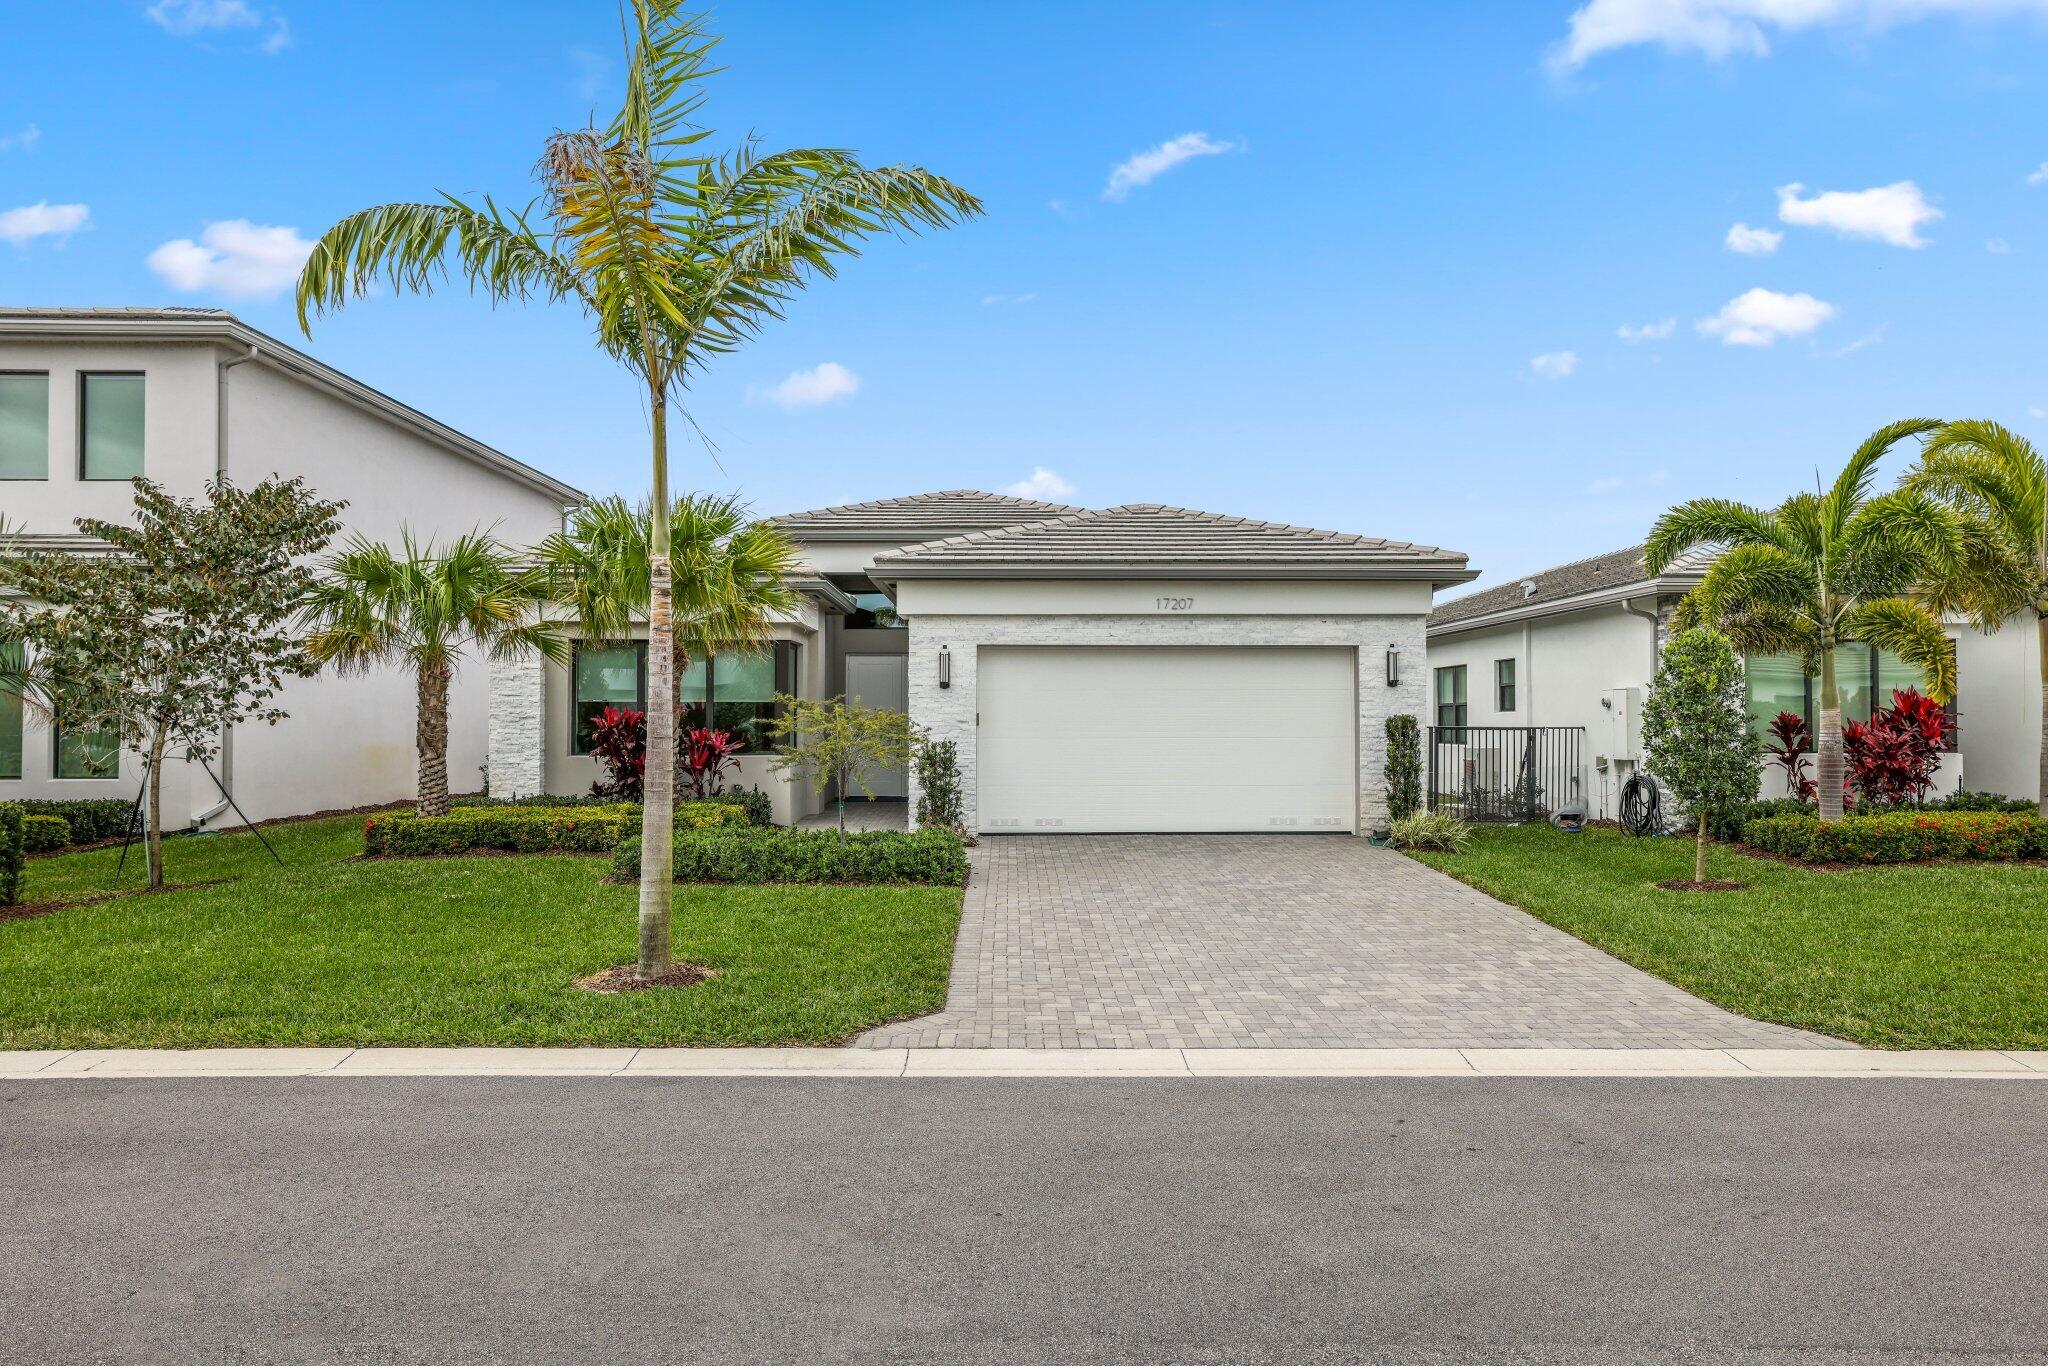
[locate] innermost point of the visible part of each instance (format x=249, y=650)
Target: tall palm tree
x=1999, y=483
x=424, y=608
x=1821, y=569
x=675, y=255
x=731, y=575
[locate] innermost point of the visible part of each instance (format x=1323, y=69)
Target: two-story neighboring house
x=92, y=398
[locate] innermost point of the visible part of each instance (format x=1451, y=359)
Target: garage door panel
x=1166, y=739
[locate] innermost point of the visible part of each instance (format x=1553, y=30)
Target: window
x=873, y=611
x=10, y=711
x=740, y=688
x=1863, y=677
x=1504, y=684
x=24, y=426
x=606, y=675
x=1450, y=697
x=87, y=754
x=109, y=426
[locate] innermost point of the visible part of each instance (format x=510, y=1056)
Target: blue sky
x=1375, y=280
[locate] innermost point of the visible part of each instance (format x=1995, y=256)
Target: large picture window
x=24, y=426
x=10, y=711
x=1451, y=709
x=734, y=692
x=87, y=754
x=109, y=426
x=1864, y=678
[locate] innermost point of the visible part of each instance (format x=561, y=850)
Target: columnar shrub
x=1900, y=836
x=744, y=854
x=938, y=784
x=1404, y=767
x=11, y=852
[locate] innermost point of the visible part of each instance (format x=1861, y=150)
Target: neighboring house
x=1577, y=646
x=1138, y=668
x=91, y=398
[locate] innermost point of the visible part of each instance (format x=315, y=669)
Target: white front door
x=882, y=682
x=1166, y=738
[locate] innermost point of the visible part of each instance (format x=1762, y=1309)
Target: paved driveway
x=1237, y=941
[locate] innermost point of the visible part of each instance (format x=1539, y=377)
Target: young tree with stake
x=1696, y=731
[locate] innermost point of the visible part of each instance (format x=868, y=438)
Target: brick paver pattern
x=1278, y=941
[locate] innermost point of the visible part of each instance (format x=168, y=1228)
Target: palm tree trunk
x=1830, y=748
x=154, y=836
x=430, y=738
x=2041, y=644
x=657, y=823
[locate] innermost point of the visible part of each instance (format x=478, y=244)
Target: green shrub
x=539, y=799
x=1900, y=836
x=575, y=829
x=1726, y=823
x=91, y=819
x=1403, y=767
x=11, y=852
x=1438, y=831
x=938, y=784
x=42, y=834
x=738, y=853
x=1982, y=801
x=758, y=805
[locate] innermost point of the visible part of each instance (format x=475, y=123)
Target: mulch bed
x=29, y=910
x=1710, y=885
x=626, y=977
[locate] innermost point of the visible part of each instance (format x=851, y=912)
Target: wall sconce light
x=945, y=667
x=1393, y=666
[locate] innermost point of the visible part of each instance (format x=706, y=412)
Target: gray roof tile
x=1615, y=569
x=923, y=515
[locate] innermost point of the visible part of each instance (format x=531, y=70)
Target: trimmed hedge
x=91, y=819
x=583, y=829
x=1728, y=824
x=751, y=854
x=1900, y=837
x=11, y=852
x=42, y=834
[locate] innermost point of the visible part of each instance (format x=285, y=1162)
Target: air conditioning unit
x=1617, y=735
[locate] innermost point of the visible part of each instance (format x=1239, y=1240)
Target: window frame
x=44, y=477
x=709, y=702
x=576, y=747
x=1505, y=678
x=1463, y=703
x=83, y=377
x=1810, y=706
x=57, y=773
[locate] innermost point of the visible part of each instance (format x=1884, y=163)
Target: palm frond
x=1705, y=522
x=1852, y=485
x=1913, y=633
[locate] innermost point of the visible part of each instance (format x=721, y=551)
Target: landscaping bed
x=337, y=949
x=1941, y=955
x=739, y=854
x=1900, y=837
x=582, y=828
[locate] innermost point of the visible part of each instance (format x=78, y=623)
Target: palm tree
x=1999, y=483
x=1823, y=568
x=424, y=608
x=676, y=256
x=731, y=578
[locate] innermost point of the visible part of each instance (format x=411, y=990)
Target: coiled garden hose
x=1642, y=809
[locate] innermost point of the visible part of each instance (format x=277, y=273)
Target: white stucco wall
x=1998, y=704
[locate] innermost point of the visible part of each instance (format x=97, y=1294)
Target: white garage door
x=1166, y=739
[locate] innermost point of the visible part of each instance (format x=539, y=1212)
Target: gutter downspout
x=220, y=468
x=1651, y=617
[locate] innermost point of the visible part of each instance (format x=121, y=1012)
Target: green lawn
x=444, y=951
x=1934, y=956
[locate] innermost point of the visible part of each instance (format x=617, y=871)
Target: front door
x=882, y=682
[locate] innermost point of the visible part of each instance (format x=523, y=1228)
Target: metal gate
x=1503, y=773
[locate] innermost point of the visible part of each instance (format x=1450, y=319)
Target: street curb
x=941, y=1063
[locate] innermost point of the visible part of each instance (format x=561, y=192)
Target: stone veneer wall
x=518, y=710
x=949, y=713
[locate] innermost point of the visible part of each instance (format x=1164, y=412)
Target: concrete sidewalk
x=58, y=1064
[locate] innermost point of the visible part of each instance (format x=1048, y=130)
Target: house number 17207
x=1175, y=604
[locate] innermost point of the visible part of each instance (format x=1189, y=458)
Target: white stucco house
x=1576, y=647
x=91, y=398
x=1137, y=668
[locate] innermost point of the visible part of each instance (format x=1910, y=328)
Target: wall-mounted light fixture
x=1393, y=666
x=945, y=667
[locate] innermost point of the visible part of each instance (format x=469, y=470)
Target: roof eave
x=1667, y=583
x=1437, y=574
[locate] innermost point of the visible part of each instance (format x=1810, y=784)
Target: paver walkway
x=1245, y=941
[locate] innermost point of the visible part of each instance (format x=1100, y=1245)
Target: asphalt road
x=1397, y=1220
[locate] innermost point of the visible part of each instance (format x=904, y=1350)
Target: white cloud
x=2039, y=175
x=1656, y=331
x=2036, y=410
x=187, y=17
x=1998, y=246
x=998, y=300
x=234, y=258
x=1147, y=166
x=31, y=221
x=24, y=141
x=823, y=383
x=1889, y=213
x=1555, y=364
x=1752, y=241
x=1761, y=316
x=1606, y=484
x=1719, y=29
x=1044, y=485
x=278, y=39
x=1867, y=339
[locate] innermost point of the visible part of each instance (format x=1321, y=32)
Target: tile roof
x=925, y=515
x=1147, y=533
x=1616, y=569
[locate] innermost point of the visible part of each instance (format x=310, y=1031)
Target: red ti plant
x=708, y=755
x=618, y=737
x=1893, y=756
x=1789, y=747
